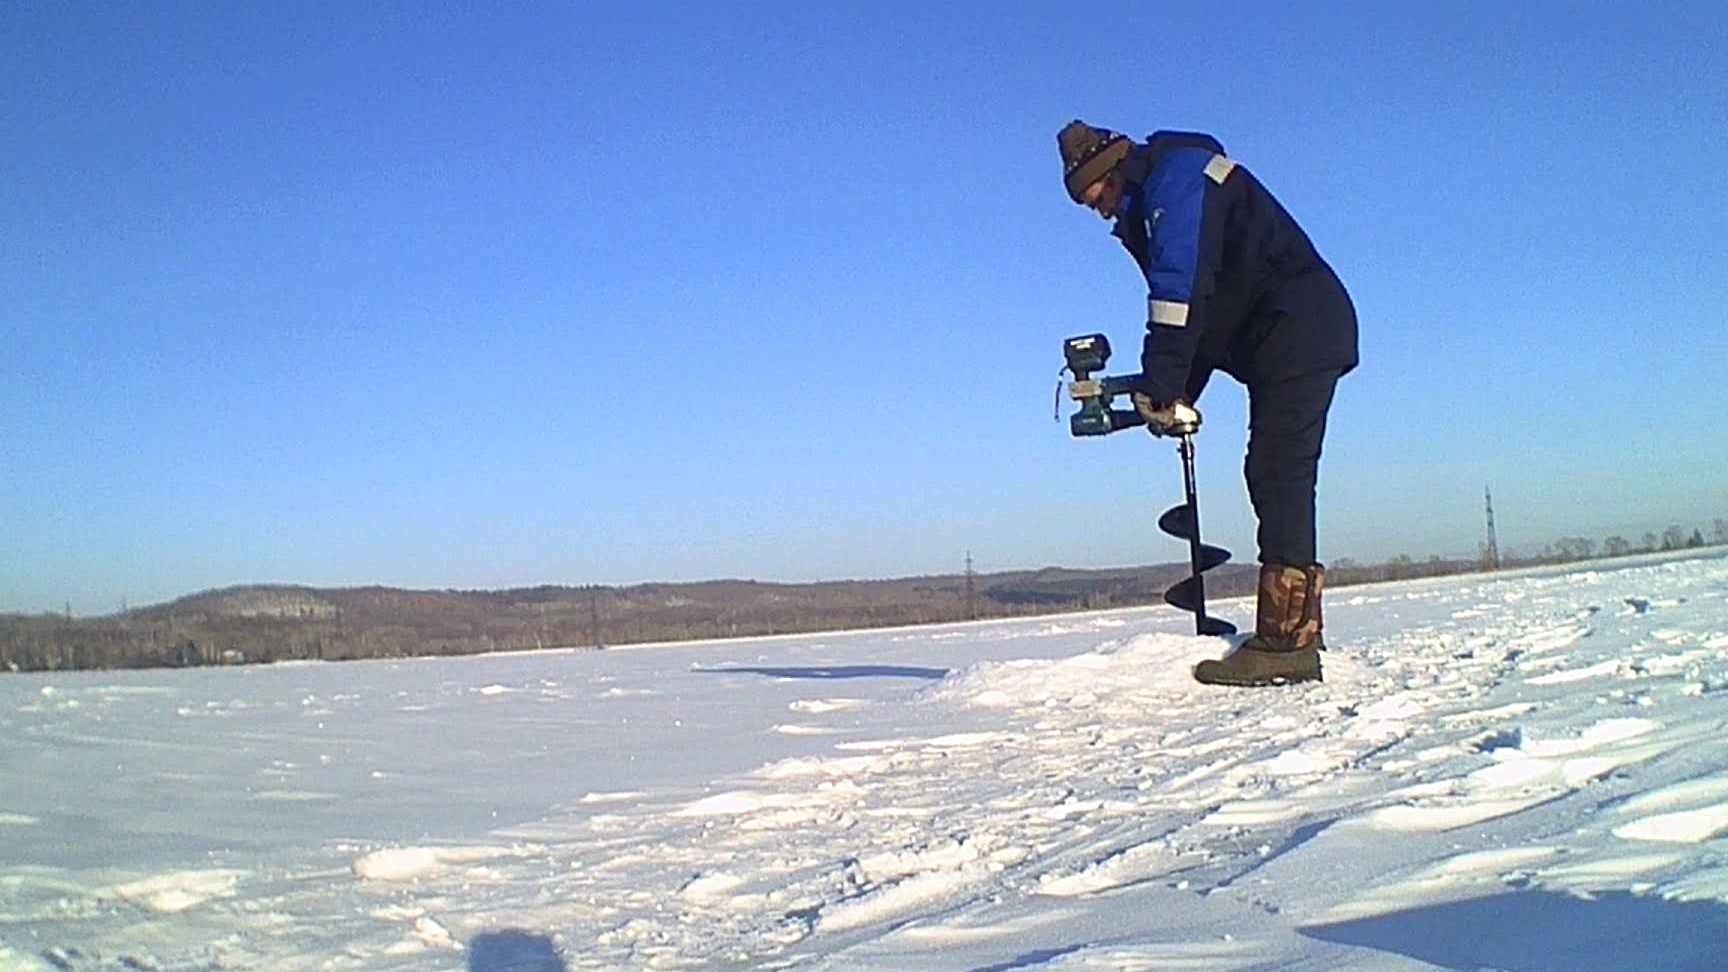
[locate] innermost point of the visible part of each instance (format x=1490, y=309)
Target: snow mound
x=415, y=863
x=180, y=890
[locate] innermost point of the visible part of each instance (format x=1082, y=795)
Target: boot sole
x=1273, y=682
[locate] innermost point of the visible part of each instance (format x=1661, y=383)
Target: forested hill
x=275, y=623
x=265, y=623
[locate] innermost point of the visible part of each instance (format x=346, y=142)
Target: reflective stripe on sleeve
x=1220, y=168
x=1171, y=313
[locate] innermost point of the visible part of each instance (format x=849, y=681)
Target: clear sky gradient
x=484, y=295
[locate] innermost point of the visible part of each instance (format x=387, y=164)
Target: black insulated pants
x=1286, y=424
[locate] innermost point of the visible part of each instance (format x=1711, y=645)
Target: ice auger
x=1087, y=355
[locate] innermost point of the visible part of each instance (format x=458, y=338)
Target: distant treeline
x=1564, y=551
x=279, y=623
x=260, y=624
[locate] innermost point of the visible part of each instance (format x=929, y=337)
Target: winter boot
x=1286, y=644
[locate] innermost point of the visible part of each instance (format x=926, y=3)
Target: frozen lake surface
x=1519, y=771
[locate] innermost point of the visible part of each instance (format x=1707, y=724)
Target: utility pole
x=1492, y=552
x=594, y=616
x=971, y=591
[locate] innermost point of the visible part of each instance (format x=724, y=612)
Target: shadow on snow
x=513, y=950
x=1030, y=959
x=830, y=671
x=1539, y=931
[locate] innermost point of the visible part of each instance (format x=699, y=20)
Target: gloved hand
x=1174, y=419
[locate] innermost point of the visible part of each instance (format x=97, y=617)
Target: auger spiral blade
x=1183, y=523
x=1189, y=595
x=1178, y=522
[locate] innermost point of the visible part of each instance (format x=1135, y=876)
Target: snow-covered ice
x=1514, y=772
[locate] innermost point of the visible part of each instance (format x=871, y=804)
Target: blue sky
x=487, y=295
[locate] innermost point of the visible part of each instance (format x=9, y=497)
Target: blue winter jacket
x=1232, y=282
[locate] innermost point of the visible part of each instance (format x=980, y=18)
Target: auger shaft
x=1184, y=522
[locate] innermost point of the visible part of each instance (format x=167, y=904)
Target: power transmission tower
x=1491, y=554
x=971, y=591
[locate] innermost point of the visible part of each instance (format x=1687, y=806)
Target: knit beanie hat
x=1087, y=154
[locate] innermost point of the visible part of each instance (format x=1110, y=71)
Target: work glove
x=1175, y=419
